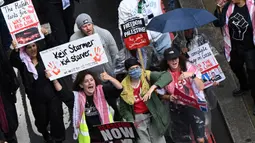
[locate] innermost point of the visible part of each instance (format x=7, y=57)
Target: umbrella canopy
x=180, y=19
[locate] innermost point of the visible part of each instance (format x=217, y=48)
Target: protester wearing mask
x=89, y=103
x=46, y=106
x=186, y=79
x=238, y=23
x=141, y=105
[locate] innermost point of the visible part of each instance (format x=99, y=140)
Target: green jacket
x=159, y=113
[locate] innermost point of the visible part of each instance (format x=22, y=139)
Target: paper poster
x=22, y=22
x=204, y=59
x=74, y=56
x=116, y=131
x=186, y=99
x=134, y=34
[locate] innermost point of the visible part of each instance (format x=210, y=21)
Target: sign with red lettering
x=134, y=34
x=116, y=131
x=74, y=56
x=187, y=100
x=204, y=59
x=22, y=22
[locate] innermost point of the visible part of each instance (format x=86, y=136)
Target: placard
x=74, y=56
x=186, y=99
x=22, y=22
x=134, y=34
x=116, y=131
x=204, y=59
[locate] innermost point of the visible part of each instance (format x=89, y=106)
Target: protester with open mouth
x=139, y=103
x=187, y=79
x=46, y=106
x=89, y=103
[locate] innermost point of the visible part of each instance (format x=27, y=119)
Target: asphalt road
x=104, y=14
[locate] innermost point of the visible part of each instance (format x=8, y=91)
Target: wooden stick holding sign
x=141, y=58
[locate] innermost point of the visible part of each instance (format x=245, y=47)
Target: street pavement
x=104, y=14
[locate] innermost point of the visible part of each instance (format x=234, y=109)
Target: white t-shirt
x=129, y=9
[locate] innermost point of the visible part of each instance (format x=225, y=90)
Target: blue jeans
x=5, y=36
x=162, y=44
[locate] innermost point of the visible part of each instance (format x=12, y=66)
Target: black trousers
x=49, y=113
x=240, y=57
x=61, y=21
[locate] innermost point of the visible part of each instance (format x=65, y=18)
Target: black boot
x=47, y=138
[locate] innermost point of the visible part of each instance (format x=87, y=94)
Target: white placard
x=74, y=56
x=204, y=59
x=22, y=22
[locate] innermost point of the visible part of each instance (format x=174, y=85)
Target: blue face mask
x=135, y=73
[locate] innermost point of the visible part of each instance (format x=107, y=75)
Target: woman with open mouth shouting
x=186, y=82
x=89, y=103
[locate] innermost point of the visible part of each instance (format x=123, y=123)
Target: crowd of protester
x=142, y=95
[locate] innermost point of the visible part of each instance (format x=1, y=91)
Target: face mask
x=135, y=73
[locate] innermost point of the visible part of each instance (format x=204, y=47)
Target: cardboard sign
x=204, y=59
x=22, y=22
x=117, y=131
x=74, y=56
x=134, y=34
x=201, y=105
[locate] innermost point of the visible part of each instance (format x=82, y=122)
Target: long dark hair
x=182, y=62
x=80, y=78
x=38, y=50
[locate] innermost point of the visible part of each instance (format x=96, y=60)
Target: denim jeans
x=162, y=44
x=5, y=36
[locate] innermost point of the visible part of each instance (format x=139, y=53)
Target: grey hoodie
x=109, y=45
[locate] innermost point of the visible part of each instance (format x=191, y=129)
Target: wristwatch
x=193, y=76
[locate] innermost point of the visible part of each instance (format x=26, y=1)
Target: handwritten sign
x=22, y=22
x=204, y=59
x=74, y=56
x=116, y=131
x=134, y=34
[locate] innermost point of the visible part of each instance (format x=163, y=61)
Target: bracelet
x=55, y=82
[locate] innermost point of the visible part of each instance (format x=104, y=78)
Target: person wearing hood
x=141, y=105
x=86, y=28
x=46, y=106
